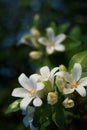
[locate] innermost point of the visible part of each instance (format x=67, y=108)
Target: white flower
x=75, y=82
x=45, y=75
x=29, y=40
x=28, y=119
x=68, y=103
x=28, y=92
x=53, y=43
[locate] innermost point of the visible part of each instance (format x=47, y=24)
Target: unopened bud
x=60, y=82
x=52, y=98
x=35, y=32
x=35, y=55
x=68, y=103
x=62, y=68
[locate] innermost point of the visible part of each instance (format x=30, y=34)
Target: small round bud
x=35, y=32
x=62, y=68
x=35, y=55
x=52, y=98
x=68, y=103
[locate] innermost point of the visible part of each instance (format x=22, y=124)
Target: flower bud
x=60, y=82
x=68, y=103
x=35, y=55
x=52, y=98
x=62, y=68
x=35, y=32
x=14, y=104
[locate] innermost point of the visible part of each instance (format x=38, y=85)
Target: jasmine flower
x=28, y=92
x=52, y=43
x=74, y=81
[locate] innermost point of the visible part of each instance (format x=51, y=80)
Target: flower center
x=51, y=43
x=74, y=84
x=32, y=92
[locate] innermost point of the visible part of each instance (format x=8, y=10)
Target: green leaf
x=68, y=117
x=70, y=43
x=62, y=28
x=13, y=107
x=75, y=32
x=58, y=117
x=81, y=58
x=44, y=125
x=84, y=74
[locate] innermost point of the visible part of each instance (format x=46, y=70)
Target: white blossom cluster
x=49, y=83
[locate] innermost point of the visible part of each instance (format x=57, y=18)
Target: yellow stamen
x=32, y=91
x=74, y=84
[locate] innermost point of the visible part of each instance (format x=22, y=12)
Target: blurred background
x=16, y=19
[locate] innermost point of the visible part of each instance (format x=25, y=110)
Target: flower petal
x=26, y=82
x=81, y=90
x=53, y=71
x=60, y=74
x=19, y=92
x=37, y=102
x=22, y=41
x=50, y=33
x=25, y=102
x=40, y=86
x=45, y=73
x=43, y=41
x=77, y=71
x=60, y=38
x=83, y=82
x=68, y=77
x=50, y=49
x=59, y=47
x=35, y=77
x=68, y=89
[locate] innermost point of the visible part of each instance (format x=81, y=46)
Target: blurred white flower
x=28, y=119
x=28, y=92
x=52, y=98
x=24, y=41
x=68, y=103
x=75, y=82
x=52, y=43
x=31, y=38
